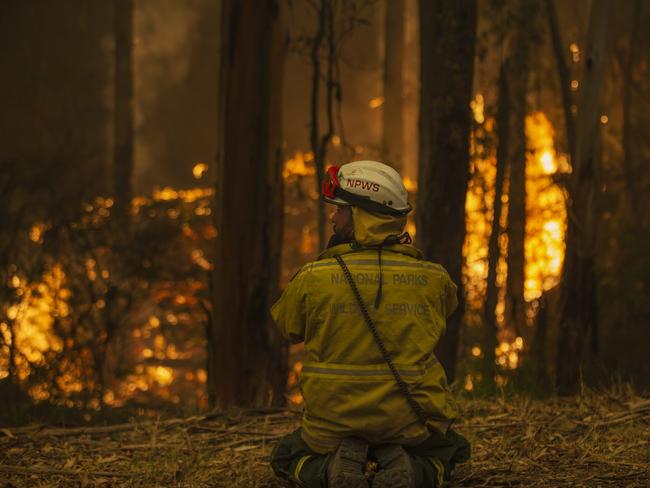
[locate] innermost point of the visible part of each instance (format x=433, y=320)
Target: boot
x=346, y=467
x=395, y=468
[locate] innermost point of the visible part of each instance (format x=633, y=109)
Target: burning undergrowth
x=596, y=439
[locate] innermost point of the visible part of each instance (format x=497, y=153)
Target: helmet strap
x=367, y=204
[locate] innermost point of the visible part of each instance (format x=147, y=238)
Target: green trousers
x=433, y=460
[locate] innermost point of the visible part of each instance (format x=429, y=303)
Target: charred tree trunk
x=250, y=362
x=518, y=73
x=578, y=304
x=393, y=119
x=447, y=35
x=123, y=110
x=491, y=295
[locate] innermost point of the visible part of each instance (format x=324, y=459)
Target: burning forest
x=164, y=172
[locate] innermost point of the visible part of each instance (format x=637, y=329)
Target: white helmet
x=370, y=185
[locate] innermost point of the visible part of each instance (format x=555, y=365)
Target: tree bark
x=628, y=159
x=563, y=74
x=447, y=43
x=540, y=339
x=319, y=142
x=539, y=342
x=578, y=304
x=518, y=73
x=211, y=334
x=393, y=119
x=314, y=133
x=123, y=106
x=491, y=296
x=250, y=362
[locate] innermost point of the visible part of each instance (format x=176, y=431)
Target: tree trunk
x=626, y=84
x=211, y=356
x=447, y=43
x=123, y=106
x=539, y=343
x=563, y=74
x=318, y=141
x=491, y=296
x=393, y=119
x=213, y=350
x=518, y=72
x=12, y=369
x=250, y=362
x=314, y=133
x=578, y=305
x=539, y=346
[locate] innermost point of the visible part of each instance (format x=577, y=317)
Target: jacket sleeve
x=290, y=311
x=451, y=297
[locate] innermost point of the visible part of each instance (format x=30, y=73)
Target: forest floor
x=595, y=439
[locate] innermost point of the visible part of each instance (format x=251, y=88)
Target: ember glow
x=32, y=320
x=301, y=164
x=545, y=226
x=546, y=215
x=64, y=317
x=199, y=170
x=546, y=209
x=376, y=102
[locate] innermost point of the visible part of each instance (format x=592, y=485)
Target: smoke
x=176, y=60
x=177, y=65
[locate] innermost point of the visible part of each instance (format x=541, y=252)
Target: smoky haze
x=176, y=64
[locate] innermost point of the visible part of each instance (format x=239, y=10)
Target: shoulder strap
x=403, y=387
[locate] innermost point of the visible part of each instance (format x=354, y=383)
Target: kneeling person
x=370, y=311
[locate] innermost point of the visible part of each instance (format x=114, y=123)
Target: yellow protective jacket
x=347, y=386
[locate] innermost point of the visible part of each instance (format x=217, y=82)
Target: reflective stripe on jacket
x=347, y=386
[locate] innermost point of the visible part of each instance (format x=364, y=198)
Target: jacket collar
x=351, y=247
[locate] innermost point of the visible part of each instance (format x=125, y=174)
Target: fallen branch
x=40, y=430
x=68, y=472
x=622, y=420
x=484, y=427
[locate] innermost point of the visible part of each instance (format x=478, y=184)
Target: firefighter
x=370, y=311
